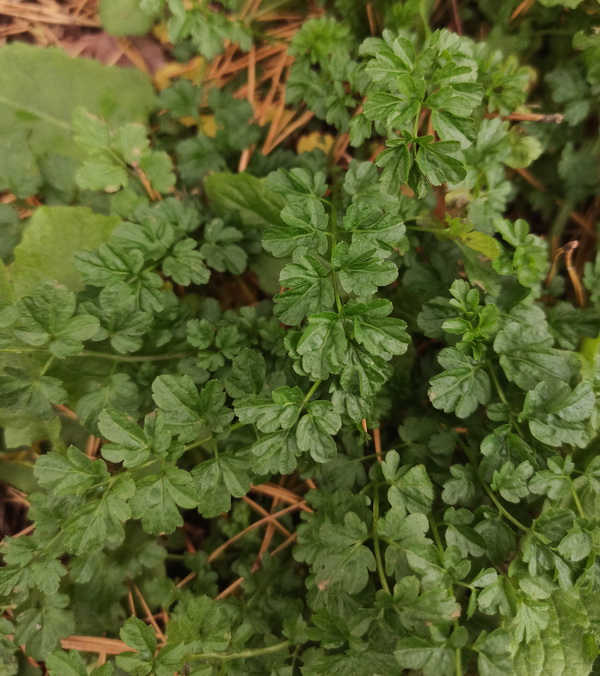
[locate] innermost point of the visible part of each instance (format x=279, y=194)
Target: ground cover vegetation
x=299, y=341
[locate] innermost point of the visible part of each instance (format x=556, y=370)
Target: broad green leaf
x=359, y=270
x=100, y=521
x=50, y=241
x=114, y=391
x=323, y=345
x=185, y=264
x=381, y=335
x=410, y=487
x=495, y=653
x=315, y=430
x=461, y=387
x=451, y=127
x=396, y=161
x=309, y=290
x=344, y=562
x=42, y=626
x=527, y=358
x=557, y=415
x=120, y=319
x=26, y=567
x=46, y=318
x=276, y=452
x=431, y=659
x=158, y=496
x=501, y=446
x=60, y=663
x=303, y=230
x=217, y=480
x=19, y=389
x=438, y=162
x=270, y=415
x=190, y=414
x=132, y=445
x=247, y=375
x=511, y=481
x=140, y=636
x=374, y=228
x=125, y=17
x=41, y=89
x=298, y=184
x=73, y=473
x=256, y=205
x=220, y=249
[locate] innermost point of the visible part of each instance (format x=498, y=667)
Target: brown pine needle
x=523, y=8
x=149, y=616
x=284, y=495
x=458, y=27
x=274, y=128
x=377, y=443
x=25, y=531
x=261, y=510
x=291, y=128
x=95, y=644
x=293, y=537
x=267, y=519
x=229, y=590
x=152, y=194
x=573, y=276
x=131, y=602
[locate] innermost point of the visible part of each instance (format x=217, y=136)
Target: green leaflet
x=461, y=387
x=191, y=414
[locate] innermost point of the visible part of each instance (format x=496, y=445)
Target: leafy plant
x=376, y=354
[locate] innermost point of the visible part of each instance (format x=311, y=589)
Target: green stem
x=47, y=365
x=502, y=510
x=417, y=118
x=503, y=399
x=576, y=501
x=424, y=14
x=434, y=231
x=243, y=654
x=436, y=534
x=310, y=392
x=458, y=656
x=200, y=442
x=379, y=562
x=338, y=300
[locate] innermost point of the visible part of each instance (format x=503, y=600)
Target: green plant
x=409, y=385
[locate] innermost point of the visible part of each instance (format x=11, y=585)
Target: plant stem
x=380, y=569
x=502, y=510
x=243, y=654
x=458, y=661
x=338, y=300
x=503, y=399
x=417, y=118
x=436, y=534
x=310, y=392
x=577, y=501
x=47, y=365
x=424, y=14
